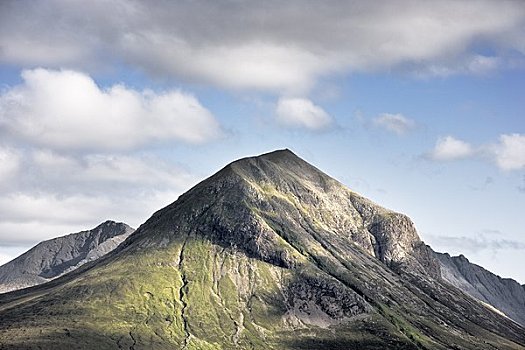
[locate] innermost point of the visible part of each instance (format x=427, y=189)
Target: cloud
x=67, y=110
x=475, y=244
x=302, y=113
x=102, y=173
x=58, y=194
x=26, y=219
x=396, y=123
x=475, y=64
x=509, y=152
x=449, y=148
x=9, y=164
x=264, y=45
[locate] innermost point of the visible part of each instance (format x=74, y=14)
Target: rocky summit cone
x=268, y=253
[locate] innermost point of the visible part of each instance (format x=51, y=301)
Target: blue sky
x=112, y=111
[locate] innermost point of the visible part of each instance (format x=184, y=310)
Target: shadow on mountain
x=345, y=344
x=65, y=338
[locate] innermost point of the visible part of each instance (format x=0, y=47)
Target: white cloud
x=263, y=45
x=9, y=164
x=509, y=153
x=450, y=148
x=396, y=123
x=303, y=113
x=67, y=110
x=30, y=218
x=59, y=194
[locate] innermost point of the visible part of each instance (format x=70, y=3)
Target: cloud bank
x=266, y=45
x=68, y=110
x=56, y=194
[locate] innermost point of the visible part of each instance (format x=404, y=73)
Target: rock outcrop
x=55, y=257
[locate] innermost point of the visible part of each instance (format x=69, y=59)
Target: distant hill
x=55, y=257
x=505, y=294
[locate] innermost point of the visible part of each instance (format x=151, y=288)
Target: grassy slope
x=221, y=300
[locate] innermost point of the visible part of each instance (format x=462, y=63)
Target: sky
x=112, y=109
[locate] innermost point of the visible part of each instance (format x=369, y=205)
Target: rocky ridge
x=504, y=294
x=53, y=258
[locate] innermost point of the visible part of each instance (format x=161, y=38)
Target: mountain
x=505, y=294
x=55, y=257
x=268, y=253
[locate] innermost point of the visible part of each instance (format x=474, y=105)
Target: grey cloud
x=270, y=45
x=396, y=123
x=51, y=194
x=44, y=171
x=29, y=218
x=475, y=244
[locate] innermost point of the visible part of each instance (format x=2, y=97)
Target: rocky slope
x=55, y=257
x=268, y=253
x=504, y=294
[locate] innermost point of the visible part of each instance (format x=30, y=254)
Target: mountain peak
x=268, y=253
x=110, y=223
x=279, y=189
x=279, y=154
x=283, y=157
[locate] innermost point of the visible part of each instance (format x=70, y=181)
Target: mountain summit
x=268, y=253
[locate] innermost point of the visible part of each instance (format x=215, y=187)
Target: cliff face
x=268, y=253
x=53, y=258
x=505, y=294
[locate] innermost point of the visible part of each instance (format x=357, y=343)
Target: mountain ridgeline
x=268, y=253
x=504, y=294
x=55, y=257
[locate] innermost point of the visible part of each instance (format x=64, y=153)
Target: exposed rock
x=504, y=294
x=55, y=257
